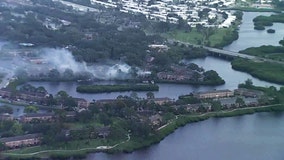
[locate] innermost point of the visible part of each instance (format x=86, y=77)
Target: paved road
x=230, y=53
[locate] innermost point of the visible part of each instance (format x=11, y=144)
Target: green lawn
x=275, y=56
x=271, y=52
x=218, y=37
x=193, y=37
x=272, y=72
x=63, y=149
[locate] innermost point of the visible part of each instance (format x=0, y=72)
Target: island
x=116, y=88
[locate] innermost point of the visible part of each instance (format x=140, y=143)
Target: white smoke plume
x=41, y=61
x=61, y=59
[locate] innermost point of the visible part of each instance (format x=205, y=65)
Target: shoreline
x=135, y=143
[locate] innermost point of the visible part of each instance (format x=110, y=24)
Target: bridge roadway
x=230, y=53
x=219, y=51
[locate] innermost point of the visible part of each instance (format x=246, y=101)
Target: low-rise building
x=161, y=101
x=19, y=141
x=37, y=116
x=195, y=107
x=214, y=94
x=248, y=92
x=5, y=92
x=106, y=101
x=82, y=103
x=156, y=119
x=103, y=132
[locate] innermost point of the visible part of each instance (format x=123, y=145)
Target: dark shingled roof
x=38, y=114
x=19, y=138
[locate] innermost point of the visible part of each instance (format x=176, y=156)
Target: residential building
x=19, y=141
x=5, y=92
x=248, y=92
x=156, y=119
x=82, y=103
x=214, y=94
x=103, y=132
x=37, y=116
x=161, y=101
x=106, y=101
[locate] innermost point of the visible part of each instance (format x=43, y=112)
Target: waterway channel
x=223, y=68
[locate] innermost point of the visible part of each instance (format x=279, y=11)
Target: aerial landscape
x=141, y=79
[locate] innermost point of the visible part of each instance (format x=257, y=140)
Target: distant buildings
x=173, y=11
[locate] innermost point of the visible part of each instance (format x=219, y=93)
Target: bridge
x=220, y=52
x=230, y=53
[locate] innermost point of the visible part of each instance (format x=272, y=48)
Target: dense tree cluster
x=116, y=88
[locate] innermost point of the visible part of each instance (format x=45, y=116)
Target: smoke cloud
x=41, y=61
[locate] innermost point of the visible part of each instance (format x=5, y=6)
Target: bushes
x=263, y=50
x=116, y=88
x=261, y=21
x=270, y=31
x=259, y=27
x=272, y=72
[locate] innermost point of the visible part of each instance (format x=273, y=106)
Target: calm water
x=248, y=37
x=250, y=137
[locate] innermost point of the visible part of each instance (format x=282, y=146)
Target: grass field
x=193, y=37
x=213, y=37
x=272, y=72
